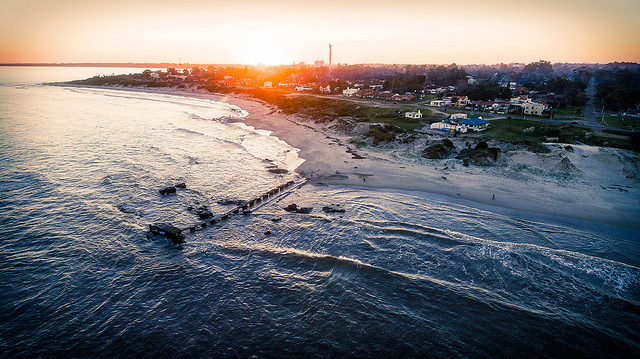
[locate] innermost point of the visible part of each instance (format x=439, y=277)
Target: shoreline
x=330, y=160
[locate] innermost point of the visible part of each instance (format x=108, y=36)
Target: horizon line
x=187, y=64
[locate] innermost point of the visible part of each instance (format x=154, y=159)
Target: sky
x=284, y=31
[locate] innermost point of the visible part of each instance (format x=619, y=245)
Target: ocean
x=398, y=274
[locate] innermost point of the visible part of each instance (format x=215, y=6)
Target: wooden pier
x=176, y=235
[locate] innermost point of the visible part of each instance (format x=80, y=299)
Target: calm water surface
x=399, y=274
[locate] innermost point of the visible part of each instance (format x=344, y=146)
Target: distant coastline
x=154, y=65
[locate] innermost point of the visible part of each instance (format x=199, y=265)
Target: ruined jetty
x=176, y=235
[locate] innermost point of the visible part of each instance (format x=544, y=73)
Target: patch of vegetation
x=447, y=143
x=619, y=121
x=480, y=156
x=530, y=132
x=439, y=150
x=568, y=113
x=435, y=151
x=482, y=145
x=380, y=134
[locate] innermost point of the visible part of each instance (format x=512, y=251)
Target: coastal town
x=569, y=102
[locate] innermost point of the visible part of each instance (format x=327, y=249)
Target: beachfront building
x=349, y=92
x=415, y=115
x=448, y=127
x=268, y=84
x=474, y=124
x=533, y=108
x=326, y=89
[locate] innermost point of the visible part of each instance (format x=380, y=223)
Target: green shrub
x=447, y=143
x=482, y=145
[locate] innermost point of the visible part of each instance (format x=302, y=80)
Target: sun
x=264, y=50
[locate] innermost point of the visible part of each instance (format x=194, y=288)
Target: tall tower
x=330, y=46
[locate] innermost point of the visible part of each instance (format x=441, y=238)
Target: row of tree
x=618, y=90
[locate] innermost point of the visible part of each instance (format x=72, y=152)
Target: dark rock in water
x=267, y=232
x=167, y=190
x=246, y=212
x=204, y=214
x=291, y=208
x=181, y=185
x=278, y=170
x=333, y=209
x=482, y=156
x=276, y=219
x=305, y=210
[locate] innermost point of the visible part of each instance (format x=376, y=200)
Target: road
x=590, y=107
x=589, y=121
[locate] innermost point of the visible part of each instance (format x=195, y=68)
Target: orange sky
x=283, y=31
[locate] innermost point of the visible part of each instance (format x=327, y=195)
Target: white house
x=448, y=127
x=413, y=114
x=533, y=108
x=458, y=116
x=302, y=88
x=326, y=89
x=349, y=92
x=154, y=76
x=268, y=84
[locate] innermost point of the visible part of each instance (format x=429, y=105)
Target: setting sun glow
x=286, y=31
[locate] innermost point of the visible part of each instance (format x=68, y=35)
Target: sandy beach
x=603, y=185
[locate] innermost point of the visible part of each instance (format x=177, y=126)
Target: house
x=398, y=97
x=286, y=84
x=474, y=124
x=326, y=89
x=446, y=101
x=375, y=87
x=349, y=92
x=533, y=108
x=519, y=100
x=154, y=76
x=385, y=95
x=268, y=84
x=448, y=127
x=458, y=116
x=413, y=114
x=178, y=77
x=461, y=100
x=302, y=88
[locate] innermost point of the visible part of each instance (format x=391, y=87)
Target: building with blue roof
x=475, y=124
